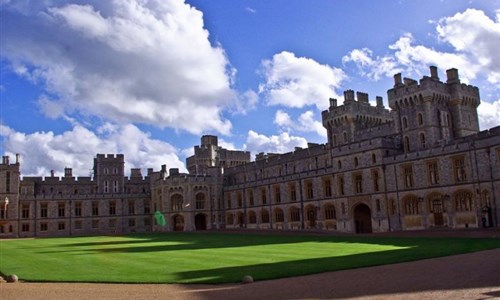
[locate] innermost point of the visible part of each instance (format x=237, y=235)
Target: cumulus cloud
x=298, y=81
x=489, y=114
x=45, y=151
x=305, y=123
x=257, y=143
x=472, y=35
x=148, y=62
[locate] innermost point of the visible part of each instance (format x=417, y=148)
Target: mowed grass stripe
x=212, y=257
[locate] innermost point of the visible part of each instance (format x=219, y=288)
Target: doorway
x=362, y=218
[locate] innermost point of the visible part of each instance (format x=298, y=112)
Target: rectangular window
x=147, y=208
x=327, y=188
x=112, y=208
x=44, y=210
x=3, y=213
x=43, y=227
x=61, y=209
x=240, y=200
x=106, y=186
x=433, y=173
x=250, y=197
x=459, y=168
x=7, y=182
x=78, y=209
x=25, y=213
x=375, y=177
x=61, y=226
x=341, y=185
x=95, y=208
x=25, y=227
x=277, y=194
x=408, y=176
x=263, y=196
x=358, y=183
x=131, y=222
x=293, y=192
x=78, y=225
x=115, y=186
x=309, y=190
x=228, y=200
x=131, y=207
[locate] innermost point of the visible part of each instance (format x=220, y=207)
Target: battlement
x=431, y=88
x=110, y=156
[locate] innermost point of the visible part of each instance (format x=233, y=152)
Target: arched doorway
x=178, y=221
x=362, y=218
x=311, y=216
x=200, y=222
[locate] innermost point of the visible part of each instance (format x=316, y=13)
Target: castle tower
x=430, y=112
x=345, y=123
x=9, y=197
x=109, y=173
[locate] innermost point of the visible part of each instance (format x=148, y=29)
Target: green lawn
x=212, y=257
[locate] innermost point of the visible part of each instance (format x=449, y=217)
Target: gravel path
x=466, y=276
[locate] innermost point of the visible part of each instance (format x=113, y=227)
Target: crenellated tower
x=346, y=123
x=430, y=112
x=109, y=173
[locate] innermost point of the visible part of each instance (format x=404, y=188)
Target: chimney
x=333, y=102
x=5, y=160
x=452, y=76
x=380, y=101
x=68, y=172
x=51, y=173
x=397, y=79
x=434, y=72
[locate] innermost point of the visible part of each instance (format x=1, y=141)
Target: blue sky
x=148, y=78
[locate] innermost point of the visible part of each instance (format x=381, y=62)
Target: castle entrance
x=200, y=222
x=362, y=218
x=178, y=223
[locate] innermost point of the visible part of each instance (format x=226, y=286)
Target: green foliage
x=212, y=257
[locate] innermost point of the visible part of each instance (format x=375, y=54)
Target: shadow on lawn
x=194, y=241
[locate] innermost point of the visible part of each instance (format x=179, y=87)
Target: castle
x=423, y=164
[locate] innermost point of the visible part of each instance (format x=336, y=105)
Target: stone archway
x=362, y=218
x=200, y=222
x=178, y=222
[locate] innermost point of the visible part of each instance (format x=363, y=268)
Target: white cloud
x=489, y=114
x=126, y=61
x=298, y=81
x=257, y=143
x=370, y=67
x=473, y=36
x=45, y=151
x=305, y=123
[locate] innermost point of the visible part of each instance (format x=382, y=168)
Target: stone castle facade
x=423, y=164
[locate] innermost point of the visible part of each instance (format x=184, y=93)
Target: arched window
x=200, y=201
x=339, y=164
x=420, y=119
x=345, y=137
x=278, y=215
x=334, y=139
x=422, y=141
x=177, y=202
x=405, y=123
x=356, y=162
x=374, y=158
